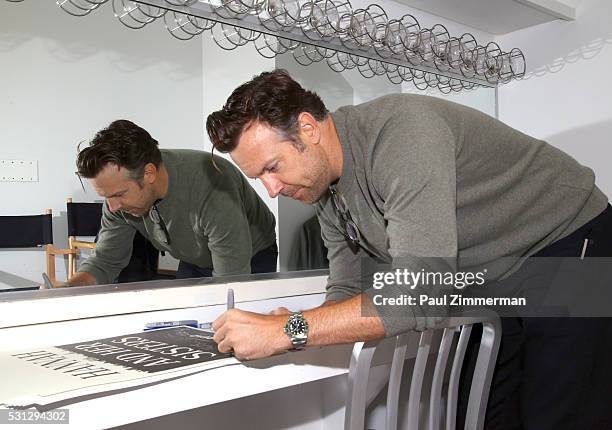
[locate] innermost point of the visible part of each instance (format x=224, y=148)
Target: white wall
x=223, y=71
x=566, y=97
x=63, y=78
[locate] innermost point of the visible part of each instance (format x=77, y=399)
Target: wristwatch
x=297, y=330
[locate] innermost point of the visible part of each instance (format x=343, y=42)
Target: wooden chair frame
x=50, y=252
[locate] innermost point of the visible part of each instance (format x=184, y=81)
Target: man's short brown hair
x=122, y=143
x=273, y=98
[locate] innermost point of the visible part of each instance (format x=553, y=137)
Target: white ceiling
x=497, y=16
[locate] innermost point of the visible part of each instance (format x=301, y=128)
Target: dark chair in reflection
x=29, y=231
x=84, y=220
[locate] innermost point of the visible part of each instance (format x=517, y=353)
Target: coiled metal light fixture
x=332, y=31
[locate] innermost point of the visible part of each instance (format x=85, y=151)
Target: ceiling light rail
x=364, y=39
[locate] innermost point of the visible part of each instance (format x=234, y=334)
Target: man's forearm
x=251, y=335
x=81, y=279
x=344, y=322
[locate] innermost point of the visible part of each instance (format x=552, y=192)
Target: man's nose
x=113, y=204
x=273, y=185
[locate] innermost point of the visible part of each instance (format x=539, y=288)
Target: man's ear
x=309, y=128
x=150, y=173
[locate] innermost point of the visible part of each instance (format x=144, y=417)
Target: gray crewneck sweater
x=214, y=219
x=424, y=177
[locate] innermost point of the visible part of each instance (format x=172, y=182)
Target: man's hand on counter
x=281, y=311
x=56, y=284
x=251, y=335
x=80, y=279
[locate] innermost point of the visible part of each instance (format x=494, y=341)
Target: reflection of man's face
x=265, y=154
x=123, y=193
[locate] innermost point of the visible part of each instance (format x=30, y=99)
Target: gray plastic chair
x=421, y=346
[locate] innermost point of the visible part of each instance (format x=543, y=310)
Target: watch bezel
x=298, y=338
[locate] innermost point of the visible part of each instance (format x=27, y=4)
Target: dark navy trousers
x=552, y=373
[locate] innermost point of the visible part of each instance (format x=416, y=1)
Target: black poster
x=152, y=351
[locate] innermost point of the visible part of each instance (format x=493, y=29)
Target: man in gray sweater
x=424, y=184
x=201, y=211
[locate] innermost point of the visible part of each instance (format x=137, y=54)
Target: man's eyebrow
x=117, y=193
x=267, y=165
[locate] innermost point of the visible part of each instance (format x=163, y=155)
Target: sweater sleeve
x=413, y=173
x=113, y=249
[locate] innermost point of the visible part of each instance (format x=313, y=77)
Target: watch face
x=297, y=326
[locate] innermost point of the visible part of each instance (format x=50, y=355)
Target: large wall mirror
x=64, y=78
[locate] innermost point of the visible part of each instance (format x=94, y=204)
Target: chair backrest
x=421, y=348
x=83, y=218
x=25, y=231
